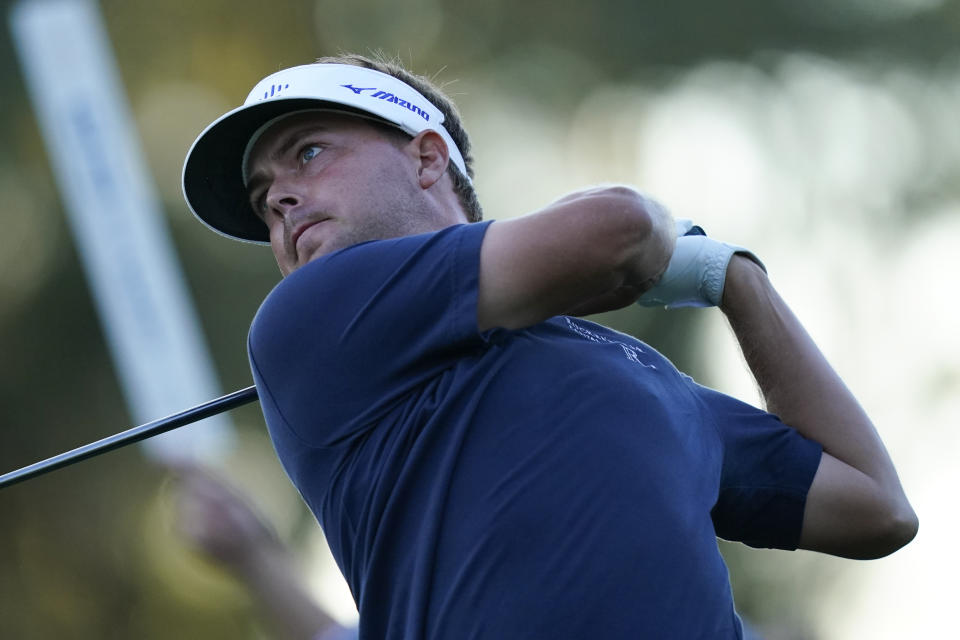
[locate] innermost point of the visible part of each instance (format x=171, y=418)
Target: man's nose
x=283, y=198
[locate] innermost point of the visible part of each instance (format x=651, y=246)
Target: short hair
x=451, y=120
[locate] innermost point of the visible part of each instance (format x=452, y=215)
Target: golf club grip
x=136, y=434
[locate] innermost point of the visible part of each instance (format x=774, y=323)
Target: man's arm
x=856, y=507
x=591, y=251
x=226, y=529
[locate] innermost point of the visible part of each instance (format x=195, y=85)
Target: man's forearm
x=800, y=386
x=795, y=379
x=591, y=251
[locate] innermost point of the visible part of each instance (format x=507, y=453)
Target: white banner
x=117, y=221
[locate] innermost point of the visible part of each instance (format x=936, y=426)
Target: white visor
x=213, y=173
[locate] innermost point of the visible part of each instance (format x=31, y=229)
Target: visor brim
x=212, y=173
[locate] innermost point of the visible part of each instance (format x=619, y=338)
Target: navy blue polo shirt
x=560, y=481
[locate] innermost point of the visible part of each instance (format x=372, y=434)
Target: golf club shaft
x=136, y=434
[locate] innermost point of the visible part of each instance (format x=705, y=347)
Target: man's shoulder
x=371, y=253
x=389, y=274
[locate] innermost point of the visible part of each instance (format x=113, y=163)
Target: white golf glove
x=697, y=271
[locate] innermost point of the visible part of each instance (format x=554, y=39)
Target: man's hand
x=217, y=521
x=221, y=524
x=697, y=271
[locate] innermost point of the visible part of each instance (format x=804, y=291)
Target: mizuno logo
x=389, y=97
x=358, y=90
x=275, y=89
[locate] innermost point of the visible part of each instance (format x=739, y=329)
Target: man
x=484, y=463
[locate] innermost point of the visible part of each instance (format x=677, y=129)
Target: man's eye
x=308, y=153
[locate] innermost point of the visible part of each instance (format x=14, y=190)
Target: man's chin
x=311, y=249
x=311, y=254
x=289, y=266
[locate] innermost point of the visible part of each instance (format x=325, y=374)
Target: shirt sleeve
x=766, y=473
x=346, y=337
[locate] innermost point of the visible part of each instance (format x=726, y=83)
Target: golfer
x=484, y=462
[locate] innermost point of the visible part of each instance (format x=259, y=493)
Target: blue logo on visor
x=275, y=90
x=389, y=97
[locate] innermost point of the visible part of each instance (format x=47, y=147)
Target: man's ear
x=432, y=157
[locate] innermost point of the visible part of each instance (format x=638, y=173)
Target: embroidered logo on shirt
x=632, y=352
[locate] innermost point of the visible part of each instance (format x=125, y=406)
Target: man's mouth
x=302, y=228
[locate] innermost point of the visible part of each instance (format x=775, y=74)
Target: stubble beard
x=404, y=216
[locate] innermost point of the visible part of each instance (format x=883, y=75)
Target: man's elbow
x=861, y=529
x=902, y=528
x=893, y=531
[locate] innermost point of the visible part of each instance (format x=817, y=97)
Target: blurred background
x=823, y=134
